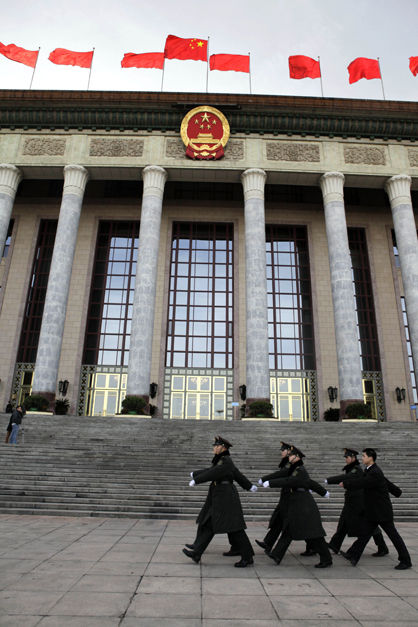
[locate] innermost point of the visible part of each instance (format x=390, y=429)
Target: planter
x=359, y=420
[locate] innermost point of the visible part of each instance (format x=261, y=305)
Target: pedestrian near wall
x=16, y=419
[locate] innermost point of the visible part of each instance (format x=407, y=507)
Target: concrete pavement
x=108, y=572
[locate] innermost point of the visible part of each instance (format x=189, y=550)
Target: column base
x=249, y=402
x=343, y=405
x=50, y=397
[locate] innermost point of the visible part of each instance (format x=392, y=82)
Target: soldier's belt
x=300, y=490
x=220, y=482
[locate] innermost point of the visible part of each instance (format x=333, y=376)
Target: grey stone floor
x=106, y=572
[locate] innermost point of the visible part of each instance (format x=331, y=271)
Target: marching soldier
x=302, y=518
x=351, y=521
x=378, y=509
x=222, y=511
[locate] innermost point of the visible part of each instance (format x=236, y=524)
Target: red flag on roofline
x=20, y=55
x=61, y=56
x=363, y=68
x=194, y=49
x=303, y=67
x=144, y=60
x=230, y=62
x=413, y=65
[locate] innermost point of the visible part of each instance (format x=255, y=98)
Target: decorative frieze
x=234, y=150
x=413, y=158
x=39, y=146
x=174, y=148
x=279, y=151
x=368, y=155
x=116, y=147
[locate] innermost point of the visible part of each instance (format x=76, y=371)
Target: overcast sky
x=336, y=30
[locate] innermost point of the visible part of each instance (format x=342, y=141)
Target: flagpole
x=320, y=77
x=34, y=68
x=381, y=78
x=91, y=65
x=162, y=78
x=207, y=65
x=249, y=67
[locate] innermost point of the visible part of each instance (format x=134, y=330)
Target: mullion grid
x=409, y=350
x=35, y=301
x=364, y=302
x=111, y=296
x=194, y=338
x=291, y=341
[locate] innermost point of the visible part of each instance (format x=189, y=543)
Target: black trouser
x=238, y=539
x=273, y=533
x=389, y=528
x=316, y=544
x=342, y=530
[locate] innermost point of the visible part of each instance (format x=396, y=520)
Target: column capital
x=253, y=181
x=332, y=186
x=154, y=178
x=398, y=188
x=10, y=177
x=75, y=179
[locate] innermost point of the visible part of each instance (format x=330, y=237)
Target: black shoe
x=190, y=546
x=381, y=552
x=403, y=566
x=194, y=556
x=350, y=558
x=271, y=556
x=231, y=553
x=333, y=549
x=244, y=563
x=323, y=564
x=263, y=545
x=308, y=553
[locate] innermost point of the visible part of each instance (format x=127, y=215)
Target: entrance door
x=198, y=397
x=107, y=393
x=290, y=398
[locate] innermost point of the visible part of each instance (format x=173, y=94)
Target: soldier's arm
x=393, y=489
x=276, y=475
x=314, y=486
x=336, y=479
x=371, y=480
x=242, y=480
x=289, y=482
x=214, y=473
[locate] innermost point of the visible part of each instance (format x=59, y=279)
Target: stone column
x=140, y=352
x=398, y=189
x=10, y=177
x=53, y=319
x=345, y=320
x=258, y=376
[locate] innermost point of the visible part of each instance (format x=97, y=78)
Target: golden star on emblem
x=205, y=117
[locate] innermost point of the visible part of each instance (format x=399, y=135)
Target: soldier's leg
x=356, y=549
x=282, y=545
x=272, y=535
x=338, y=537
x=242, y=544
x=203, y=538
x=321, y=547
x=379, y=541
x=398, y=543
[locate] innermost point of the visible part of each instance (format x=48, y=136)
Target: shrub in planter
x=62, y=406
x=358, y=411
x=134, y=404
x=261, y=409
x=37, y=402
x=332, y=415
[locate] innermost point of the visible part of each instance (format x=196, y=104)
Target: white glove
x=310, y=491
x=327, y=495
x=266, y=484
x=260, y=482
x=253, y=488
x=192, y=483
x=326, y=482
x=191, y=474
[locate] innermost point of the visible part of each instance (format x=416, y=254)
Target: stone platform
x=110, y=572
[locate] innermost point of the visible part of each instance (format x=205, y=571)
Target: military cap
x=284, y=446
x=296, y=451
x=219, y=441
x=350, y=452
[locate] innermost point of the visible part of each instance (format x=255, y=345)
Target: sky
x=337, y=31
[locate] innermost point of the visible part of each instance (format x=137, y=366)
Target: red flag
x=230, y=62
x=61, y=56
x=144, y=60
x=14, y=53
x=363, y=68
x=413, y=65
x=303, y=67
x=184, y=49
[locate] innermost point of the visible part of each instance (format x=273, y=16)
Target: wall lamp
x=63, y=387
x=400, y=394
x=243, y=392
x=153, y=389
x=332, y=394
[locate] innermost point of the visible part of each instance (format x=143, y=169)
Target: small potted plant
x=358, y=411
x=260, y=409
x=133, y=405
x=62, y=406
x=332, y=414
x=36, y=402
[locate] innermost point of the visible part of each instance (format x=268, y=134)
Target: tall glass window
x=409, y=348
x=363, y=294
x=290, y=324
x=37, y=291
x=200, y=311
x=111, y=296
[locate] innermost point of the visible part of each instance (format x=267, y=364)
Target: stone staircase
x=138, y=467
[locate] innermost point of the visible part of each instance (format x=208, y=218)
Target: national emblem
x=205, y=132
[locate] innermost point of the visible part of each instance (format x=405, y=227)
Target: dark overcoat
x=222, y=504
x=277, y=517
x=302, y=516
x=377, y=503
x=353, y=512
